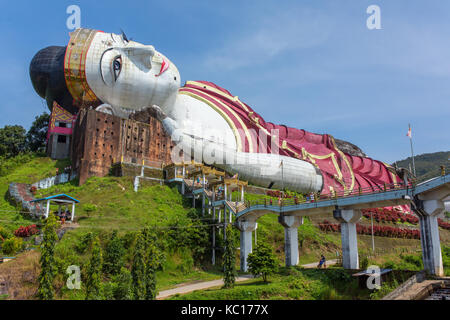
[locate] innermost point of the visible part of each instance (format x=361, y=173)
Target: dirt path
x=217, y=283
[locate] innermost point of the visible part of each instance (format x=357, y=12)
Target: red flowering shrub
x=385, y=215
x=381, y=231
x=26, y=231
x=443, y=224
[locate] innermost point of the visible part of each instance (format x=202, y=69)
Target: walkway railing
x=317, y=197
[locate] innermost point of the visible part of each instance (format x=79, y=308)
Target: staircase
x=20, y=194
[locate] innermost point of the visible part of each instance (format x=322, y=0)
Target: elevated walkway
x=426, y=200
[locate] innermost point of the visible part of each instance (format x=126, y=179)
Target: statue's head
x=97, y=67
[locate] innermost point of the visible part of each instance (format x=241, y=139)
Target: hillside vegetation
x=427, y=164
x=184, y=236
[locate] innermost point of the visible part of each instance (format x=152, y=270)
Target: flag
x=409, y=133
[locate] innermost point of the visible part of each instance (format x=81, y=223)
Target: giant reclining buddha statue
x=119, y=76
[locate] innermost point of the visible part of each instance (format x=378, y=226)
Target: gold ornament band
x=74, y=67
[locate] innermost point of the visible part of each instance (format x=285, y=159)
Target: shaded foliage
x=94, y=273
x=47, y=260
x=114, y=255
x=37, y=134
x=229, y=260
x=12, y=140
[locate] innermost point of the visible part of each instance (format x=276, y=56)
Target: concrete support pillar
x=245, y=227
x=242, y=193
x=225, y=222
x=203, y=204
x=429, y=236
x=73, y=211
x=348, y=220
x=213, y=255
x=47, y=210
x=290, y=224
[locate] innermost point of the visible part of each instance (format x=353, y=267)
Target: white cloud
x=274, y=35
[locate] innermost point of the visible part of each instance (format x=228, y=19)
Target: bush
x=12, y=245
x=85, y=243
x=4, y=234
x=122, y=289
x=89, y=208
x=364, y=262
x=114, y=255
x=262, y=261
x=26, y=231
x=10, y=164
x=415, y=260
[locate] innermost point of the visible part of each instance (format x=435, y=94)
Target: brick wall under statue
x=101, y=139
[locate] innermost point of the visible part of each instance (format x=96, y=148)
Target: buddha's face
x=128, y=74
x=98, y=67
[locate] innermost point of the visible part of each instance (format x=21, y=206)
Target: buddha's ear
x=140, y=53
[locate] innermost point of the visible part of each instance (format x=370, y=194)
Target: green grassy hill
x=109, y=203
x=427, y=164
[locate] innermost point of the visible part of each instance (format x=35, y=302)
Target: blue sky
x=310, y=64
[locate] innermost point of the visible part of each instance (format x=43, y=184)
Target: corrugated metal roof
x=57, y=197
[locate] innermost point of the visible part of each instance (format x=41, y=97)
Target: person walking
x=322, y=262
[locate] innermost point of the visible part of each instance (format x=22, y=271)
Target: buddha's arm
x=258, y=168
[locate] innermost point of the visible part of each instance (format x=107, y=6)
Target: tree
x=262, y=262
x=150, y=273
x=229, y=260
x=37, y=134
x=114, y=255
x=123, y=289
x=151, y=264
x=138, y=268
x=94, y=273
x=12, y=141
x=47, y=259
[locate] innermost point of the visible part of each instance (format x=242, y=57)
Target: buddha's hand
x=160, y=115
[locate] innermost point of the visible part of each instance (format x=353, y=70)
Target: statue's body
x=118, y=76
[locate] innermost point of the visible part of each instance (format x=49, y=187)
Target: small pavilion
x=60, y=200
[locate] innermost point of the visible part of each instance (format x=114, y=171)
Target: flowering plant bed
x=385, y=215
x=381, y=231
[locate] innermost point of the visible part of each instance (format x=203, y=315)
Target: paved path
x=217, y=283
x=197, y=286
x=314, y=264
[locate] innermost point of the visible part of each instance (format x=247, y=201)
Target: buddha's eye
x=117, y=66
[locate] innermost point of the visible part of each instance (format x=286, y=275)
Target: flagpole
x=412, y=152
